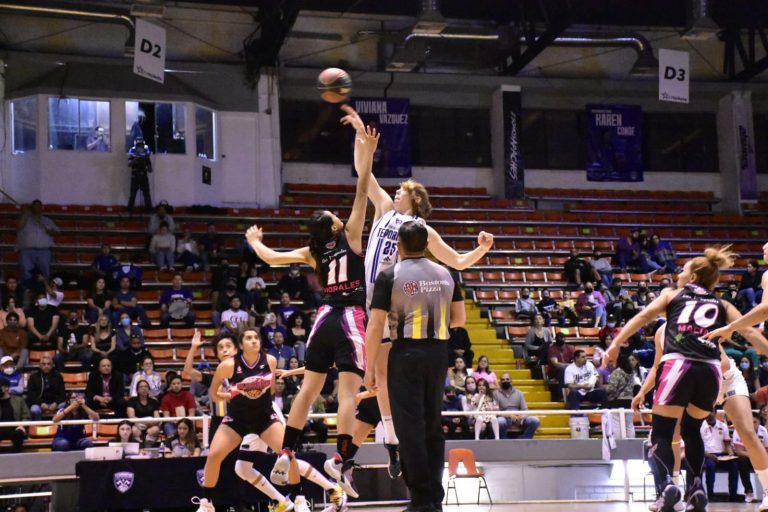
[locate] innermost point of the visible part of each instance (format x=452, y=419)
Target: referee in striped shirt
x=421, y=302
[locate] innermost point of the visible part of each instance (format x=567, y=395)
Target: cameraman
x=99, y=141
x=141, y=166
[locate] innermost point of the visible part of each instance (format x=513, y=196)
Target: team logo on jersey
x=410, y=288
x=331, y=244
x=253, y=387
x=199, y=475
x=123, y=481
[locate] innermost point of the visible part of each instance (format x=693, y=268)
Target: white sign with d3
x=674, y=76
x=149, y=51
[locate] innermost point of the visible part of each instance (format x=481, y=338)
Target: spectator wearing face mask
x=511, y=399
x=559, y=356
x=129, y=360
x=73, y=344
x=762, y=372
x=13, y=340
x=13, y=375
x=125, y=302
x=42, y=322
x=12, y=408
x=591, y=305
x=737, y=347
x=456, y=427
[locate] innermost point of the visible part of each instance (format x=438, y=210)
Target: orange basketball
x=334, y=85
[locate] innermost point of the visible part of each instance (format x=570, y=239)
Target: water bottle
x=161, y=450
x=72, y=342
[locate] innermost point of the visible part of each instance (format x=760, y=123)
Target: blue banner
x=614, y=143
x=390, y=117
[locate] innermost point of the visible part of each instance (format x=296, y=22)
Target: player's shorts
x=733, y=384
x=681, y=381
x=252, y=443
x=338, y=337
x=368, y=411
x=257, y=424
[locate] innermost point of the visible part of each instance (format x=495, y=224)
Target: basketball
x=334, y=85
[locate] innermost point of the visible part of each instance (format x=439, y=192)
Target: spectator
x=620, y=385
x=737, y=348
x=176, y=304
x=559, y=356
x=53, y=291
x=525, y=306
x=292, y=383
x=104, y=262
x=297, y=334
x=285, y=309
x=224, y=300
x=12, y=408
x=144, y=406
x=745, y=466
x=643, y=296
x=583, y=381
x=568, y=308
x=662, y=253
x=604, y=339
x=317, y=426
x=34, y=240
x=762, y=373
x=45, y=390
x=210, y=247
x=188, y=252
x=483, y=401
x=99, y=301
x=731, y=294
x=42, y=323
x=184, y=442
x=98, y=141
x=294, y=283
x=221, y=277
x=128, y=269
x=602, y=265
x=234, y=320
x=255, y=293
x=129, y=360
x=511, y=399
x=459, y=345
x=10, y=307
x=126, y=302
x=483, y=371
x=149, y=375
x=629, y=252
x=104, y=340
x=579, y=271
x=12, y=290
x=72, y=437
x=548, y=307
x=749, y=374
x=591, y=305
x=664, y=284
x=280, y=398
x=13, y=374
x=750, y=292
x=105, y=389
x=162, y=248
x=269, y=329
x=200, y=388
x=605, y=371
x=13, y=340
x=280, y=351
x=125, y=330
x=457, y=375
x=618, y=303
x=161, y=215
x=176, y=403
x=537, y=341
x=244, y=273
x=717, y=443
x=72, y=344
x=454, y=426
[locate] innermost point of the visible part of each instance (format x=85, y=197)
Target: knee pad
x=690, y=426
x=662, y=428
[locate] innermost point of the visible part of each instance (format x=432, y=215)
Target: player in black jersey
x=338, y=335
x=689, y=376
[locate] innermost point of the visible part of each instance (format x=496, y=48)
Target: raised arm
x=445, y=253
x=758, y=314
x=752, y=335
x=365, y=146
x=254, y=236
x=382, y=202
x=189, y=371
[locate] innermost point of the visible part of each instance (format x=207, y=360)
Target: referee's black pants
x=416, y=379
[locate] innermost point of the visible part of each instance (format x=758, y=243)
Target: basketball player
x=734, y=396
x=689, y=377
x=411, y=201
x=338, y=335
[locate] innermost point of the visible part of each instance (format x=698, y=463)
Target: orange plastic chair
x=467, y=457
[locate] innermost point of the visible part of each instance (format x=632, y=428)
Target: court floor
x=570, y=507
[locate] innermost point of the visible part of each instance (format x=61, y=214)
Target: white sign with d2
x=149, y=51
x=674, y=76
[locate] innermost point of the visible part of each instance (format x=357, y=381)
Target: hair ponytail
x=707, y=268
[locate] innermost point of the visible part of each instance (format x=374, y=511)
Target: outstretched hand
x=724, y=333
x=197, y=339
x=254, y=234
x=610, y=355
x=352, y=118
